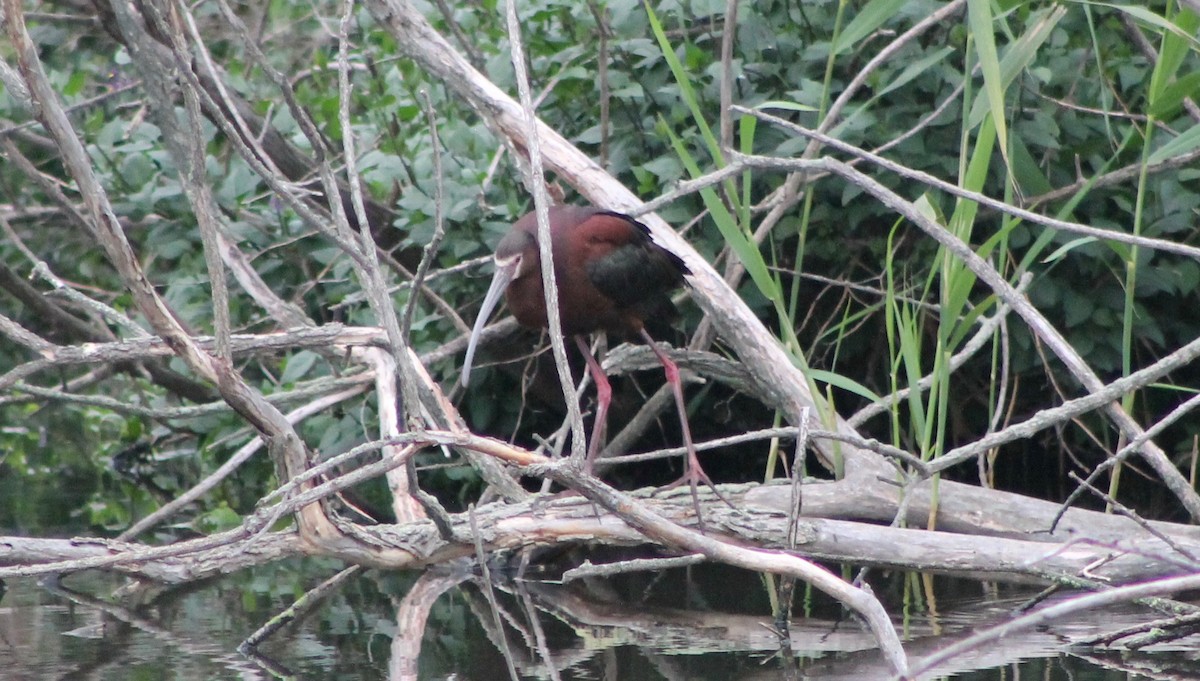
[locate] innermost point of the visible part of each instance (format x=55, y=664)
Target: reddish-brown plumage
x=611, y=277
x=610, y=274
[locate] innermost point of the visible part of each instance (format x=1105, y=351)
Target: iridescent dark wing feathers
x=639, y=273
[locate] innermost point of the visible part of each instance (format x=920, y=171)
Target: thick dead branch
x=1088, y=546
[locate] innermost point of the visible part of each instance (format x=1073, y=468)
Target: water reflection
x=706, y=622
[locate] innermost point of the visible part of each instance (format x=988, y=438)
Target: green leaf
x=1066, y=248
x=872, y=16
x=1185, y=143
x=1026, y=170
x=1168, y=102
x=298, y=366
x=217, y=520
x=1174, y=51
x=913, y=70
x=683, y=80
x=843, y=382
x=747, y=126
x=1154, y=20
x=979, y=17
x=927, y=208
x=962, y=220
x=76, y=83
x=1016, y=59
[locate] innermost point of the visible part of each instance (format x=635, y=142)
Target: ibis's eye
x=508, y=261
x=519, y=266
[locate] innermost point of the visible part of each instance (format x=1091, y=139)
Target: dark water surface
x=705, y=622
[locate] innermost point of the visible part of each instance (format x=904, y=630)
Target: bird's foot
x=692, y=478
x=587, y=468
x=537, y=506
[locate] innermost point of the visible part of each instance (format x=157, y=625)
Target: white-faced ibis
x=611, y=277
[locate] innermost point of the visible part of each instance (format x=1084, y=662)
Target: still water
x=704, y=622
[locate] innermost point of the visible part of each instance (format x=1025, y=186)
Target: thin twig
x=311, y=599
x=1128, y=450
x=537, y=186
x=728, y=35
x=767, y=433
x=602, y=77
x=952, y=189
x=481, y=559
x=588, y=570
x=539, y=633
x=1124, y=510
x=439, y=229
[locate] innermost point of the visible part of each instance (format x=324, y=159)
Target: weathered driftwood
x=999, y=543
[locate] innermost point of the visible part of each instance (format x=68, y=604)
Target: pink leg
x=695, y=474
x=603, y=398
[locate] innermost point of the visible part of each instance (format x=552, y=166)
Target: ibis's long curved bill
x=505, y=271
